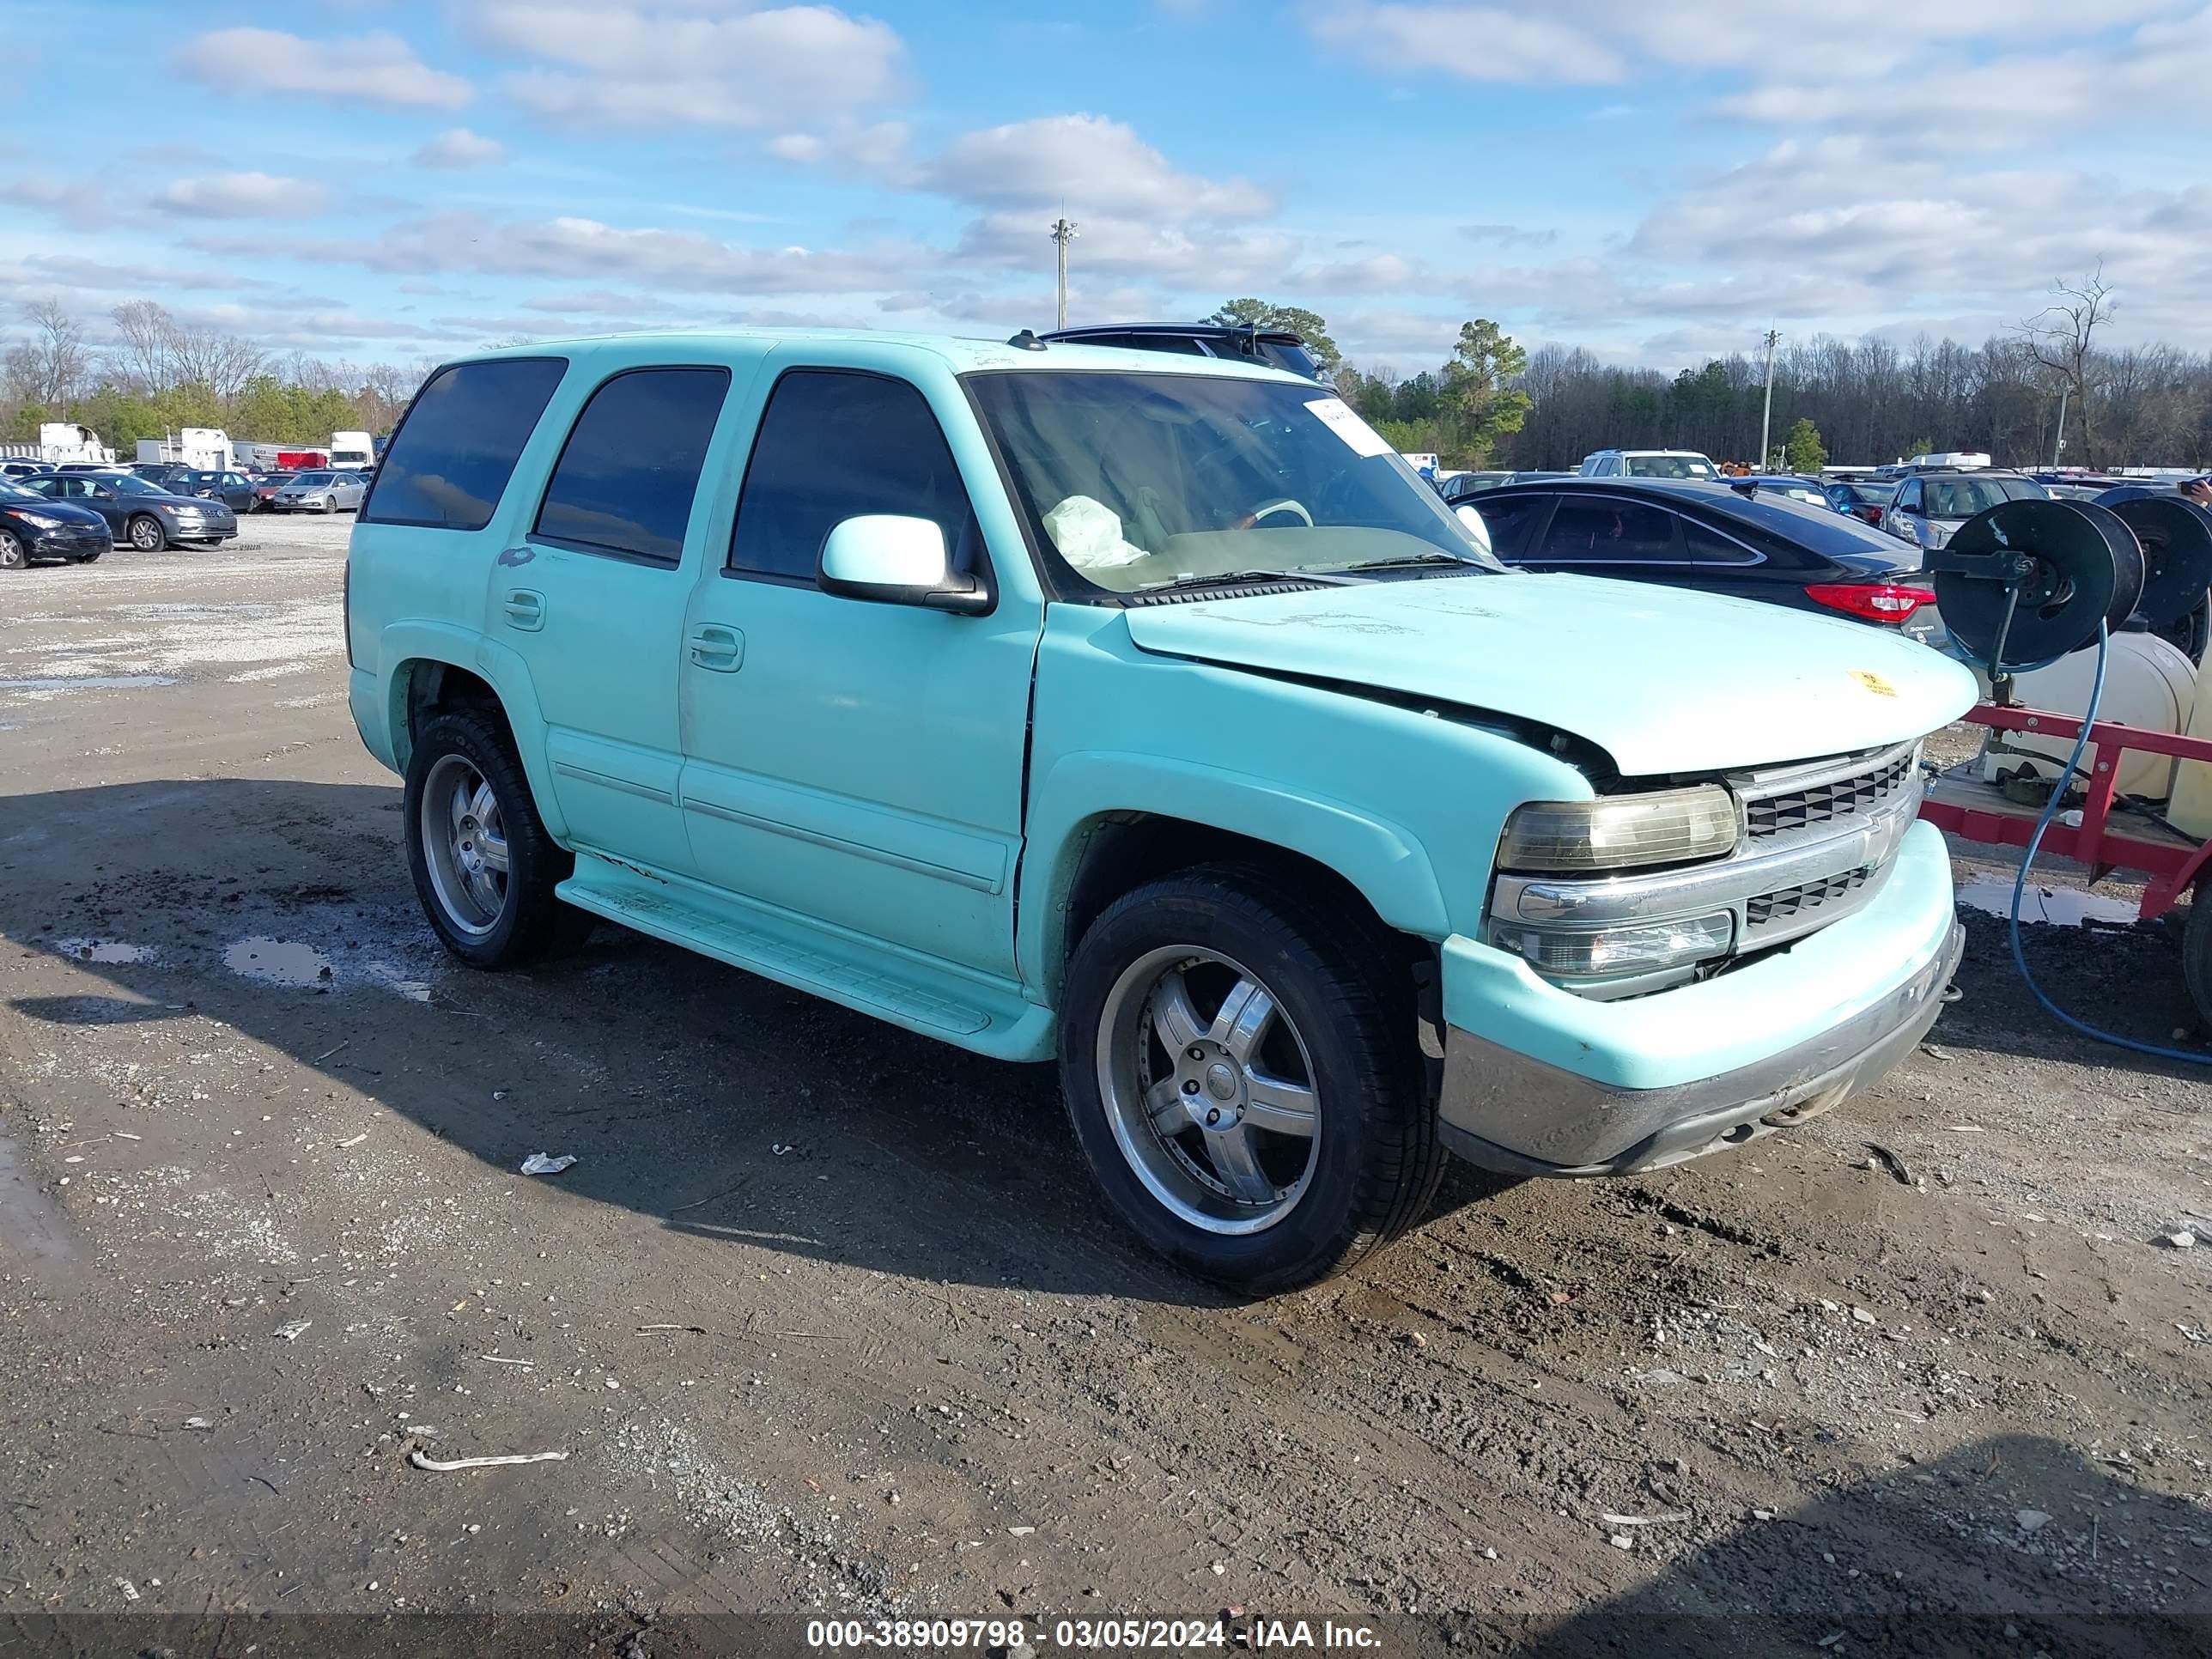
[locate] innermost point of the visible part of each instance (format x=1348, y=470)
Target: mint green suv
x=1146, y=713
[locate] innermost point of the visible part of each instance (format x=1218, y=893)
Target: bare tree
x=2058, y=337
x=142, y=362
x=201, y=354
x=51, y=367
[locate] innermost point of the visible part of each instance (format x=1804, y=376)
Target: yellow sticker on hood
x=1874, y=683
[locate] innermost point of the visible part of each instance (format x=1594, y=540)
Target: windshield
x=1670, y=466
x=1134, y=481
x=15, y=492
x=1961, y=498
x=1871, y=495
x=314, y=478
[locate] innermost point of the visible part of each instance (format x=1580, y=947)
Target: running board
x=807, y=957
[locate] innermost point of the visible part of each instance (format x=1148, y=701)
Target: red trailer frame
x=1979, y=812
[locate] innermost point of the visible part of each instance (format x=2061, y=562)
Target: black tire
x=531, y=923
x=89, y=558
x=134, y=531
x=2197, y=954
x=14, y=555
x=1347, y=991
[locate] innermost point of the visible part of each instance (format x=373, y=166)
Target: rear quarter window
x=449, y=462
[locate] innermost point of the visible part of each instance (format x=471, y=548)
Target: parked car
x=321, y=491
x=16, y=466
x=1466, y=486
x=233, y=489
x=1930, y=506
x=1789, y=485
x=147, y=517
x=1647, y=463
x=34, y=529
x=1149, y=714
x=265, y=487
x=1861, y=501
x=154, y=472
x=1276, y=347
x=1718, y=539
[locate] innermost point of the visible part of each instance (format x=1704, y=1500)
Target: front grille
x=1811, y=806
x=1788, y=903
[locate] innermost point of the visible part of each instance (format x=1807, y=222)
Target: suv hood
x=1662, y=680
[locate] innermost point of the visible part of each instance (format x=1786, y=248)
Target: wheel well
x=1127, y=849
x=435, y=687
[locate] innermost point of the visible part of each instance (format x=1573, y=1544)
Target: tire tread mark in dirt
x=1729, y=1232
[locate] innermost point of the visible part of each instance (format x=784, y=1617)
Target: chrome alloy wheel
x=465, y=845
x=1209, y=1089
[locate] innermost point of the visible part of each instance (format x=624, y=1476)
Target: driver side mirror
x=1475, y=528
x=890, y=559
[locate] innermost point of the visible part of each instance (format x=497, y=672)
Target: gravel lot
x=827, y=1318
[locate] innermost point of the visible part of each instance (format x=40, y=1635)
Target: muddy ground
x=826, y=1316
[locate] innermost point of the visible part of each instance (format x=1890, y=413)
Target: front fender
x=1382, y=859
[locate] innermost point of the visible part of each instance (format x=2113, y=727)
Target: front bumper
x=1539, y=1082
x=76, y=541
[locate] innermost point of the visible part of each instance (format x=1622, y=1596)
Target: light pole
x=1767, y=420
x=2058, y=444
x=1063, y=233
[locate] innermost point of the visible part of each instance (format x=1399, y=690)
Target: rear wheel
x=2197, y=955
x=483, y=864
x=144, y=532
x=1242, y=1070
x=13, y=554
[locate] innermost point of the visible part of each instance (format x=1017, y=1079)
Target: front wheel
x=483, y=863
x=13, y=555
x=145, y=533
x=1242, y=1072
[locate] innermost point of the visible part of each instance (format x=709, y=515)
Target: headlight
x=1616, y=952
x=40, y=521
x=1619, y=832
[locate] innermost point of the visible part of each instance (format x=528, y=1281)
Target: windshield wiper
x=1407, y=561
x=1231, y=578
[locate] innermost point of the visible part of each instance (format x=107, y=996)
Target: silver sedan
x=324, y=491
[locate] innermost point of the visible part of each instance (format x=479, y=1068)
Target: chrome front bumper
x=1505, y=1111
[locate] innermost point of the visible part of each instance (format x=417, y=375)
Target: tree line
x=1867, y=401
x=159, y=373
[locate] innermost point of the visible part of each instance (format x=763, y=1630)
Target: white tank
x=2147, y=682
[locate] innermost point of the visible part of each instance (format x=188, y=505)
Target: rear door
x=590, y=597
x=860, y=764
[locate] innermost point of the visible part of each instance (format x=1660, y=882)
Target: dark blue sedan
x=34, y=530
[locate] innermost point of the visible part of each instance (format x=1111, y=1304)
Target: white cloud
x=1095, y=166
x=243, y=196
x=367, y=69
x=653, y=65
x=457, y=147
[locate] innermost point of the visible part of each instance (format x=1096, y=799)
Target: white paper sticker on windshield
x=1336, y=415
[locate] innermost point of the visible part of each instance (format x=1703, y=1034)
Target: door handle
x=525, y=609
x=720, y=650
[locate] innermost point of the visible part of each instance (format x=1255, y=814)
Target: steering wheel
x=1285, y=505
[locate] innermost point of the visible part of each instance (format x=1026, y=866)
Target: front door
x=858, y=764
x=593, y=599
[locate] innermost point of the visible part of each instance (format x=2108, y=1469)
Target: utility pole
x=2058, y=444
x=1767, y=421
x=1063, y=233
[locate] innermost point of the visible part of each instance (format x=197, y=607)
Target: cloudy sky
x=1659, y=181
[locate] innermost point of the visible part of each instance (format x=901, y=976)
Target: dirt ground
x=826, y=1318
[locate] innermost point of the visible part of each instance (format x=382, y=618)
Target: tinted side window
x=1908, y=499
x=1707, y=546
x=627, y=475
x=1510, y=522
x=832, y=446
x=457, y=445
x=1586, y=531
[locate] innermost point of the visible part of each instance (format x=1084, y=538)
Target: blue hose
x=2028, y=859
